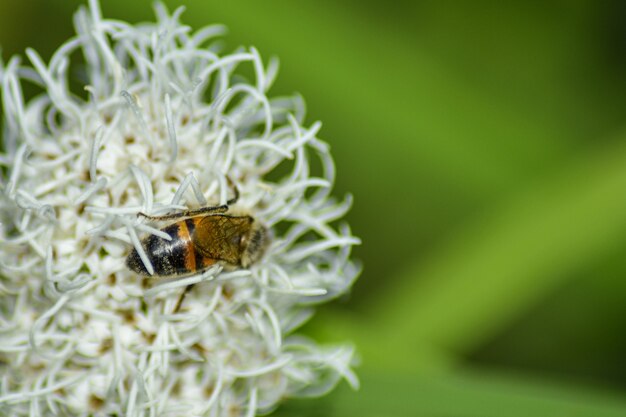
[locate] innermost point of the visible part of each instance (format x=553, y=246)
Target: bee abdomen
x=168, y=257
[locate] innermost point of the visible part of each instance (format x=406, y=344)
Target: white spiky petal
x=162, y=122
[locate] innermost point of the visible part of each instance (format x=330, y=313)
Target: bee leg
x=187, y=213
x=202, y=210
x=235, y=191
x=182, y=297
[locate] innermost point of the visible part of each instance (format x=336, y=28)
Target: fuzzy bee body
x=199, y=241
x=177, y=256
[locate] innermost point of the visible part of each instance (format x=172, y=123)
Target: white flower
x=159, y=123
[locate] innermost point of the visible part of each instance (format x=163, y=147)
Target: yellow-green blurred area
x=485, y=145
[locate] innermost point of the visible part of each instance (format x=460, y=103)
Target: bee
x=201, y=238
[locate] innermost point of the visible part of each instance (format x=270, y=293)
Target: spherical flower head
x=160, y=123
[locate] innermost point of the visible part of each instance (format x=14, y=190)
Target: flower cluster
x=161, y=122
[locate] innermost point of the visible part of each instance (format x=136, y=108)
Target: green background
x=485, y=145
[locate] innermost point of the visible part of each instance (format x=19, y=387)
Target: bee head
x=253, y=244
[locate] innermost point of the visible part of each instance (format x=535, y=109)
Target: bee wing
x=219, y=237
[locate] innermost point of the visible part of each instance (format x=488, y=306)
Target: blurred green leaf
x=503, y=264
x=468, y=394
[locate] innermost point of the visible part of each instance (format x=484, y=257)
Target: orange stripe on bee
x=190, y=256
x=196, y=220
x=206, y=262
x=203, y=260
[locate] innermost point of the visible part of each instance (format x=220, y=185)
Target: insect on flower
x=153, y=105
x=201, y=238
